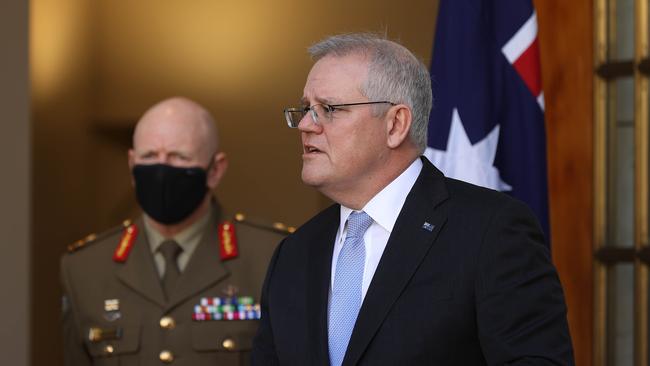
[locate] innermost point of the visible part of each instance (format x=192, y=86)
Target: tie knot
x=170, y=250
x=358, y=223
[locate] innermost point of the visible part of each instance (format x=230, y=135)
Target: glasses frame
x=329, y=108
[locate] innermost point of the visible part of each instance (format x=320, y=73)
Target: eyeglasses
x=319, y=111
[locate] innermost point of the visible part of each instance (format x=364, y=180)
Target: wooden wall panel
x=565, y=35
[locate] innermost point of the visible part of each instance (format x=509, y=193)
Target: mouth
x=309, y=149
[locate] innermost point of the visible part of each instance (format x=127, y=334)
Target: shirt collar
x=187, y=239
x=386, y=205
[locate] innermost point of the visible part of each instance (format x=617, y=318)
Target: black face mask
x=169, y=194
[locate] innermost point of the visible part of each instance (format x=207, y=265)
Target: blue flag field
x=487, y=123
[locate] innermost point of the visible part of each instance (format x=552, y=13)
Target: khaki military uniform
x=115, y=311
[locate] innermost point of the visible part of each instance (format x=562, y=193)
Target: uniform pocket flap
x=119, y=341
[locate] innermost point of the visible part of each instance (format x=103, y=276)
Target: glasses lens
x=293, y=116
x=322, y=112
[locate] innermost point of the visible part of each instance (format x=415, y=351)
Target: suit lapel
x=139, y=272
x=204, y=269
x=407, y=246
x=319, y=277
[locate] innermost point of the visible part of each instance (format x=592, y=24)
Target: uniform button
x=166, y=357
x=167, y=322
x=109, y=350
x=228, y=344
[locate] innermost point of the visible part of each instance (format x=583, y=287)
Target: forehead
x=336, y=78
x=170, y=133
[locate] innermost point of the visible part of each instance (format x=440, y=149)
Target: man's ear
x=398, y=125
x=217, y=169
x=131, y=159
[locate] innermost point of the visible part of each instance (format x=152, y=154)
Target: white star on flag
x=467, y=162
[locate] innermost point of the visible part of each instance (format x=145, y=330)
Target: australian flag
x=487, y=122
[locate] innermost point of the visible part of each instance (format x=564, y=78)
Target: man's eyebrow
x=144, y=152
x=321, y=100
x=179, y=153
x=155, y=152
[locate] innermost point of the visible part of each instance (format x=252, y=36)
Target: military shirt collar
x=188, y=239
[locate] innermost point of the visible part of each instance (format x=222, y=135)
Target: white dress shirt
x=383, y=208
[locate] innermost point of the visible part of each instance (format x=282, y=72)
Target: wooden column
x=566, y=41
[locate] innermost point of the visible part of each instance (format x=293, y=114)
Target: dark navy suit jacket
x=477, y=289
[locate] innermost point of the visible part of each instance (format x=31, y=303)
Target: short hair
x=394, y=74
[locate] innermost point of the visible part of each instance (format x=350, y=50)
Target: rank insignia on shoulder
x=226, y=308
x=81, y=243
x=272, y=226
x=227, y=241
x=123, y=249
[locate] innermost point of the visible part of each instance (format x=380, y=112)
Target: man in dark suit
x=178, y=285
x=408, y=267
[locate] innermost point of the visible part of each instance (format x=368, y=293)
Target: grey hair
x=394, y=74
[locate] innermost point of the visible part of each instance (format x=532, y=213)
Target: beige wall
x=15, y=162
x=97, y=65
x=60, y=70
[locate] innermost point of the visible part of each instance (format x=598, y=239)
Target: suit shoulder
x=476, y=195
x=96, y=240
x=471, y=199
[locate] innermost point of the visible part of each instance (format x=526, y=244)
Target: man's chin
x=311, y=178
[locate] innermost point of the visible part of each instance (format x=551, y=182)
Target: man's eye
x=181, y=158
x=328, y=108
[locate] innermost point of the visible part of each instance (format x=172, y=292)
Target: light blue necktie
x=345, y=298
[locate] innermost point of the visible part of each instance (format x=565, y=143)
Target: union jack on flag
x=487, y=122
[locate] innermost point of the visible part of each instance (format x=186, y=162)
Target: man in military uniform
x=179, y=285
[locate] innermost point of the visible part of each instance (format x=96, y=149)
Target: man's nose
x=308, y=124
x=163, y=158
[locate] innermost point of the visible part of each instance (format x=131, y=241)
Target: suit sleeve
x=74, y=352
x=521, y=312
x=264, y=353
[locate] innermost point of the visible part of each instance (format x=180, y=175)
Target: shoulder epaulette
x=129, y=234
x=274, y=226
x=91, y=238
x=228, y=248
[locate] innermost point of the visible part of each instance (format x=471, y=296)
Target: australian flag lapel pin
x=428, y=226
